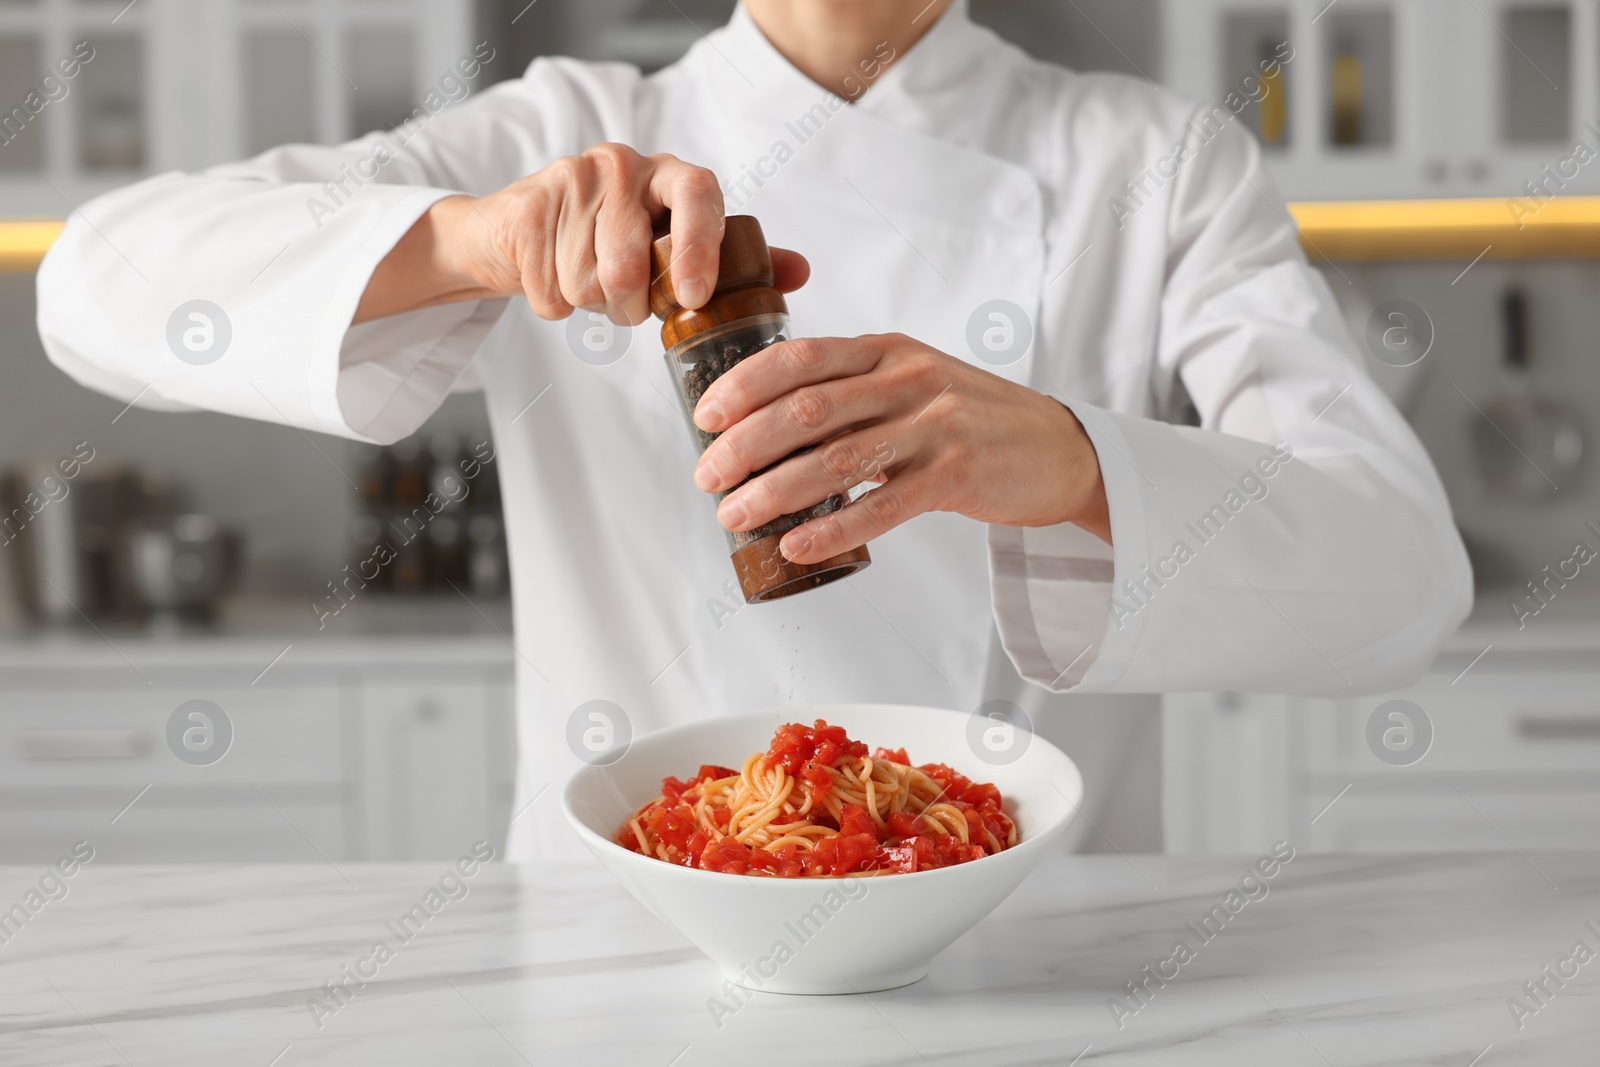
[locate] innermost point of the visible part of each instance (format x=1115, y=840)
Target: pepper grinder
x=744, y=315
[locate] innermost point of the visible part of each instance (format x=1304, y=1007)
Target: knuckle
x=567, y=171
x=611, y=157
x=809, y=409
x=546, y=300
x=622, y=273
x=702, y=180
x=584, y=293
x=879, y=506
x=803, y=354
x=839, y=460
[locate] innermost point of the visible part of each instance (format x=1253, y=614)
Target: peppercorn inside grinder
x=744, y=315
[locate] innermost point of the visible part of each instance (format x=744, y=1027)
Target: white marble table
x=1348, y=960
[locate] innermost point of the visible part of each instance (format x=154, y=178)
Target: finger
x=790, y=269
x=530, y=237
x=782, y=368
x=810, y=414
x=695, y=199
x=622, y=236
x=576, y=268
x=802, y=482
x=873, y=514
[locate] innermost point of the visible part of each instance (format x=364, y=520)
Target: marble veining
x=1345, y=961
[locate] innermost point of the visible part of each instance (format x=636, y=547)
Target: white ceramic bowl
x=824, y=935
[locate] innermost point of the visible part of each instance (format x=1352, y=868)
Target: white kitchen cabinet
x=438, y=770
x=377, y=748
x=1406, y=98
x=1225, y=790
x=1514, y=763
x=182, y=84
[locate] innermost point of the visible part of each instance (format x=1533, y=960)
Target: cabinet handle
x=1559, y=728
x=82, y=744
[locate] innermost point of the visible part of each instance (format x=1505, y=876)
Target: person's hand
x=574, y=235
x=939, y=434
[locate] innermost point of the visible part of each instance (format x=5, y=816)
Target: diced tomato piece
x=794, y=745
x=853, y=820
x=905, y=824
x=726, y=855
x=673, y=825
x=901, y=857
x=819, y=780
x=710, y=772
x=892, y=755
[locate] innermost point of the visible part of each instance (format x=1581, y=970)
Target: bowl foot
x=830, y=986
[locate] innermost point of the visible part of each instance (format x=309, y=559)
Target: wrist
x=1083, y=489
x=447, y=237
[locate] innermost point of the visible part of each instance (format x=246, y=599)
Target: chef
x=1010, y=280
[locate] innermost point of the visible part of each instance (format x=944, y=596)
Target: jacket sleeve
x=1298, y=541
x=280, y=249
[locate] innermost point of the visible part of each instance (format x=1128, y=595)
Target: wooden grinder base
x=765, y=575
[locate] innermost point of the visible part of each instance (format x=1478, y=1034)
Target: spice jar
x=744, y=315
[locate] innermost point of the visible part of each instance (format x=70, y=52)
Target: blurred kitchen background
x=197, y=557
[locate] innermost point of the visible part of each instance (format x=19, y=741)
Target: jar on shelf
x=745, y=314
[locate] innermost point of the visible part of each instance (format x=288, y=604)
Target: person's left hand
x=939, y=434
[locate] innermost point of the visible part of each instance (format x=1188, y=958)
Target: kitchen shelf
x=1363, y=230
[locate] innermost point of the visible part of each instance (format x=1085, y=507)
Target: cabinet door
x=1226, y=772
x=104, y=765
x=426, y=747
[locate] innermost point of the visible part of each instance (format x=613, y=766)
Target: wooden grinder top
x=744, y=283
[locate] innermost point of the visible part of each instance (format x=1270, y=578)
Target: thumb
x=790, y=270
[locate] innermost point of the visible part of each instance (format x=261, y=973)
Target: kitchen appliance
x=181, y=567
x=62, y=529
x=1528, y=445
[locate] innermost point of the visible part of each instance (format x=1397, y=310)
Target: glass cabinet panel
x=1536, y=74
x=21, y=139
x=277, y=90
x=381, y=62
x=110, y=102
x=1359, y=49
x=1252, y=39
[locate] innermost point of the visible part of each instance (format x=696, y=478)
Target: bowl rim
x=1043, y=838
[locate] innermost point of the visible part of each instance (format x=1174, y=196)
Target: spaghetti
x=816, y=804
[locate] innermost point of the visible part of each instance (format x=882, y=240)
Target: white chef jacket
x=968, y=173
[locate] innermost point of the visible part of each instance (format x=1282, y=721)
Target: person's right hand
x=574, y=235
